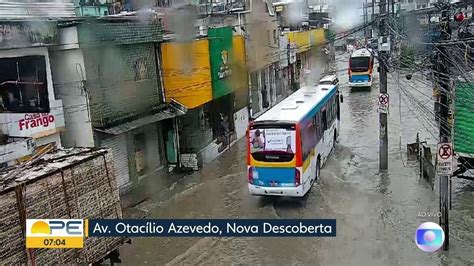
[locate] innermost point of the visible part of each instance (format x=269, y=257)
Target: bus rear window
x=272, y=144
x=360, y=63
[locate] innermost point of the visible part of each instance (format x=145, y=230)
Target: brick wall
x=122, y=82
x=96, y=33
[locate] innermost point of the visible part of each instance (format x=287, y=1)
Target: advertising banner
x=274, y=139
x=220, y=50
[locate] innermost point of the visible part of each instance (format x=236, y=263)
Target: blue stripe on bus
x=271, y=176
x=356, y=78
x=320, y=105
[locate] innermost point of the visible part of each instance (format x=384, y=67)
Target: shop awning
x=164, y=114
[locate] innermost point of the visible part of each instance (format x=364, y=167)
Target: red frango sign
x=30, y=121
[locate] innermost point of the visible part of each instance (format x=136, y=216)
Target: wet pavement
x=376, y=212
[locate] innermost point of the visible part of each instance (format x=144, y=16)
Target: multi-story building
x=32, y=113
x=107, y=72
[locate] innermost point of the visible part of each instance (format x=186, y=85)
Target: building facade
x=32, y=114
x=110, y=73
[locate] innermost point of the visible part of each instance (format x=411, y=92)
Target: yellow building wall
x=301, y=38
x=317, y=37
x=187, y=72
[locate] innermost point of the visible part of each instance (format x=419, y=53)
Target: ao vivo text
x=211, y=227
x=429, y=214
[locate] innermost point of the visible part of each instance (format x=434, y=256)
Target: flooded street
x=376, y=213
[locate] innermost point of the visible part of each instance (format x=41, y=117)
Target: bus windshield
x=360, y=64
x=272, y=144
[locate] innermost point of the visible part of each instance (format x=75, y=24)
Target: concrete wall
x=262, y=49
x=241, y=120
x=116, y=95
x=69, y=73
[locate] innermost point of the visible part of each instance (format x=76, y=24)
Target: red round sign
x=445, y=151
x=383, y=99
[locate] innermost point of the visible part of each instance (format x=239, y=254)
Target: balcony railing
x=222, y=7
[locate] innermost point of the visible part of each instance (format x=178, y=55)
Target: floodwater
x=377, y=213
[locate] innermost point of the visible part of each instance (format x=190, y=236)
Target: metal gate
x=118, y=144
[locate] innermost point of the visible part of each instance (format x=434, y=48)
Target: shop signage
x=221, y=52
x=224, y=70
x=293, y=47
x=36, y=120
x=30, y=124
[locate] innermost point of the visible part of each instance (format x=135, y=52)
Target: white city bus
x=288, y=145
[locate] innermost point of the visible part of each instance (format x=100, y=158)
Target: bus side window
x=324, y=121
x=317, y=125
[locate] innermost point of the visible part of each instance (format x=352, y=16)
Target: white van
x=329, y=80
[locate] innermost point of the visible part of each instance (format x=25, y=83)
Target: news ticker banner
x=70, y=233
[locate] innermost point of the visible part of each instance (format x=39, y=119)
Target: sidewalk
x=160, y=186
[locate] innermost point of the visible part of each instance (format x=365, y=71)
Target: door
x=118, y=144
x=170, y=142
x=139, y=143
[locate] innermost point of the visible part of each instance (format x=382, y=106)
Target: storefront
x=31, y=117
x=143, y=146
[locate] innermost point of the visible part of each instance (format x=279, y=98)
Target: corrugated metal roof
x=129, y=126
x=46, y=9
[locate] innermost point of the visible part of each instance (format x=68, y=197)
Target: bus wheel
x=318, y=169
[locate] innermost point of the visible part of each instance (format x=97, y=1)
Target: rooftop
x=49, y=164
x=296, y=106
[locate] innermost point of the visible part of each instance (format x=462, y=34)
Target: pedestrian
x=223, y=132
x=12, y=104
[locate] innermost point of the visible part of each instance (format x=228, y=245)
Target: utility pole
x=444, y=127
x=383, y=114
x=372, y=18
x=365, y=20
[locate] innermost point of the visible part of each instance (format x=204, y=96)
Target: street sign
x=383, y=103
x=445, y=159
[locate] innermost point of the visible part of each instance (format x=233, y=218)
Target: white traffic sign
x=383, y=103
x=445, y=159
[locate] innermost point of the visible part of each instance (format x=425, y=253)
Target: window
x=275, y=37
x=308, y=138
x=273, y=143
x=318, y=127
x=324, y=121
x=270, y=10
x=23, y=85
x=359, y=63
x=268, y=37
x=140, y=69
